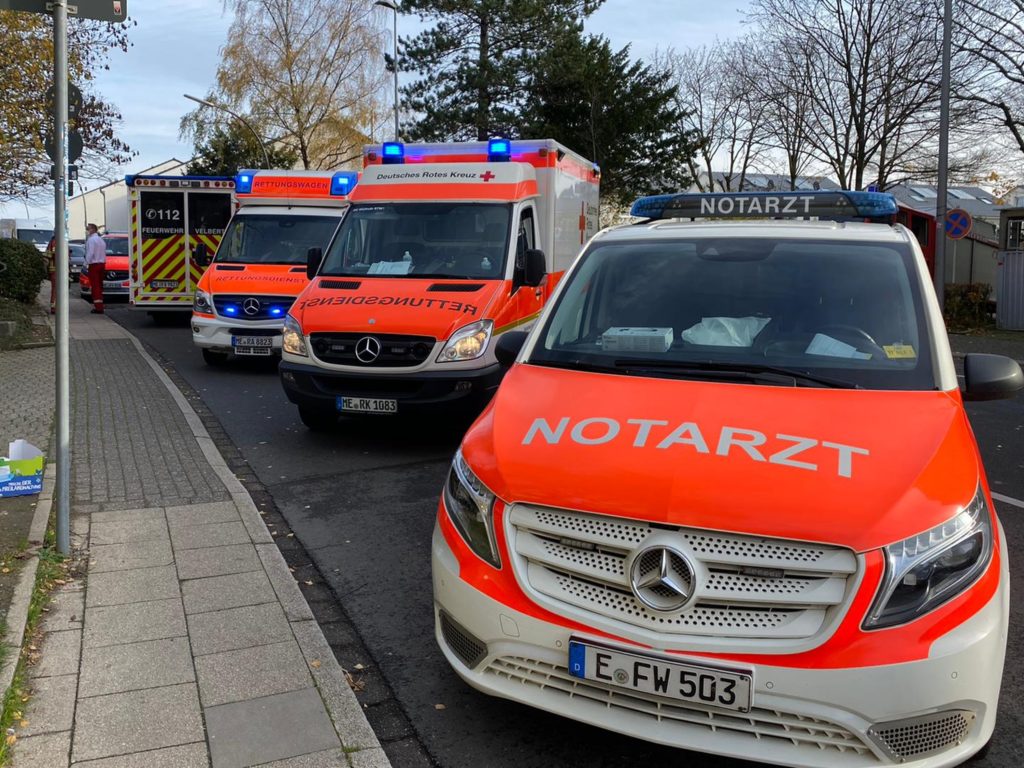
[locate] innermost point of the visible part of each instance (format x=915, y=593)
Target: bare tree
x=993, y=33
x=866, y=77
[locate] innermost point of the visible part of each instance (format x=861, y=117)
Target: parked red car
x=115, y=279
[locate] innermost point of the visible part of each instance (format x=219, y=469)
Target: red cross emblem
x=487, y=176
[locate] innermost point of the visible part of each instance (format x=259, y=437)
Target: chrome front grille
x=784, y=728
x=746, y=587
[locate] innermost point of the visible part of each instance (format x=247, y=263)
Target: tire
x=216, y=359
x=317, y=420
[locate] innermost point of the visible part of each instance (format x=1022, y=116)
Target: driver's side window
x=526, y=239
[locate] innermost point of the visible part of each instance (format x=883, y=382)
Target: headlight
x=291, y=337
x=202, y=302
x=467, y=343
x=470, y=505
x=924, y=571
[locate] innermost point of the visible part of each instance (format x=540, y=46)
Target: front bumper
x=809, y=718
x=215, y=333
x=318, y=388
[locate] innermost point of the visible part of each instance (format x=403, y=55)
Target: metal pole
x=394, y=62
x=941, y=202
x=60, y=223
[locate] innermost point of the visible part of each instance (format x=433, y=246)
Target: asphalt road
x=362, y=501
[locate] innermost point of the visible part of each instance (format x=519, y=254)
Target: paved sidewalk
x=189, y=643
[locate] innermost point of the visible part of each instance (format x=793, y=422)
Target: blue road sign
x=958, y=223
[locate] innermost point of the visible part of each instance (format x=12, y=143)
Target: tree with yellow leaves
x=26, y=71
x=307, y=72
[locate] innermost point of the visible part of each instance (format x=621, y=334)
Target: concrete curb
x=17, y=616
x=361, y=744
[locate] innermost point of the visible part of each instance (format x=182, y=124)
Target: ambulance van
x=728, y=499
x=445, y=248
x=173, y=221
x=260, y=266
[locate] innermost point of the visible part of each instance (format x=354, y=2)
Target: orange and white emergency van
x=727, y=497
x=445, y=248
x=260, y=266
x=173, y=218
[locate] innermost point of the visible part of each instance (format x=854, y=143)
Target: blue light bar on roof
x=843, y=205
x=392, y=153
x=499, y=150
x=243, y=182
x=343, y=182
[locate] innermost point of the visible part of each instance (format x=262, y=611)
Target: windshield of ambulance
x=437, y=240
x=267, y=238
x=841, y=314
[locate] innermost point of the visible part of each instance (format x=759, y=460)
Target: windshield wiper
x=747, y=371
x=574, y=365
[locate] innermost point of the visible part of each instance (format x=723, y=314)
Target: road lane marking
x=1008, y=500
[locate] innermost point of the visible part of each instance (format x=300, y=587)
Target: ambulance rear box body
x=260, y=267
x=445, y=247
x=172, y=219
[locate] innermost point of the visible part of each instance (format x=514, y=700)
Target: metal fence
x=1010, y=290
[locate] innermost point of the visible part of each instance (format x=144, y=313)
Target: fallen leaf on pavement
x=5, y=570
x=315, y=663
x=440, y=706
x=11, y=739
x=23, y=724
x=308, y=583
x=360, y=666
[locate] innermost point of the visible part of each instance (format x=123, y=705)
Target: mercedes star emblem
x=367, y=349
x=661, y=578
x=251, y=306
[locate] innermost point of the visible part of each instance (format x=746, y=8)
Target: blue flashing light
x=230, y=310
x=343, y=182
x=499, y=150
x=276, y=311
x=819, y=204
x=392, y=153
x=243, y=182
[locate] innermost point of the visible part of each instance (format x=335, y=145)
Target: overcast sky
x=175, y=51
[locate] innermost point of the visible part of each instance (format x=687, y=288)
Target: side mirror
x=536, y=268
x=991, y=377
x=313, y=258
x=201, y=255
x=508, y=347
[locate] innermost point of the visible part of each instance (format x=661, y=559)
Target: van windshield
x=274, y=238
x=762, y=310
x=35, y=236
x=445, y=240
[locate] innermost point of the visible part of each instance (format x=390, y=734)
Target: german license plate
x=164, y=283
x=711, y=686
x=367, y=405
x=112, y=284
x=253, y=342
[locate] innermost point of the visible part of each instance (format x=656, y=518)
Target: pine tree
x=617, y=112
x=475, y=59
x=227, y=150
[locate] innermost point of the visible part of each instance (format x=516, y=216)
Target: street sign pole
x=941, y=202
x=60, y=189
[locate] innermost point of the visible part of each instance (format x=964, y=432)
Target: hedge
x=968, y=306
x=22, y=270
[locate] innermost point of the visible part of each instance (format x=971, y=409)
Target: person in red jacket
x=96, y=261
x=51, y=270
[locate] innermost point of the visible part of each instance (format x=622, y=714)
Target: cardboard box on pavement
x=21, y=472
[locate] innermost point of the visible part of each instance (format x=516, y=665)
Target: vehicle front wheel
x=317, y=419
x=215, y=358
